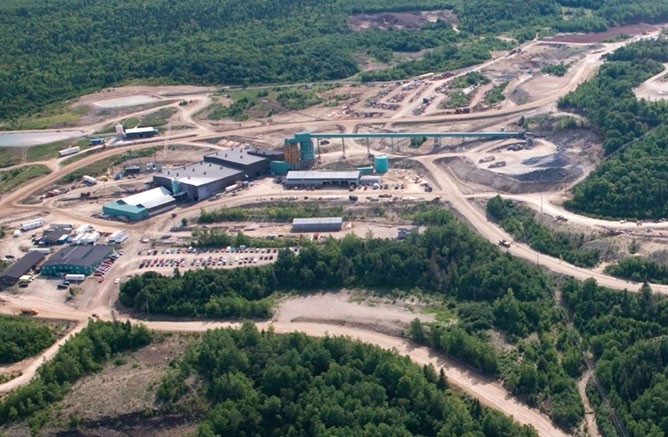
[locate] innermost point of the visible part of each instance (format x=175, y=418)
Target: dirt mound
x=399, y=20
x=613, y=32
x=536, y=181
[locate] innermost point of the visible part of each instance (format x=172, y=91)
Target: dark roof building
x=28, y=262
x=250, y=162
x=198, y=181
x=76, y=259
x=53, y=236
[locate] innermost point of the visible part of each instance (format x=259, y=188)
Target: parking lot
x=193, y=258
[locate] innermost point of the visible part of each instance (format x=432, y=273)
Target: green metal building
x=78, y=260
x=120, y=209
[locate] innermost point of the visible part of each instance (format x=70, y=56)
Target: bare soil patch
x=384, y=315
x=120, y=400
x=597, y=37
x=399, y=20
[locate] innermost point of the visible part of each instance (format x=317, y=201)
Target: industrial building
x=22, y=266
x=321, y=224
x=141, y=205
x=137, y=132
x=79, y=260
x=198, y=181
x=252, y=163
x=321, y=178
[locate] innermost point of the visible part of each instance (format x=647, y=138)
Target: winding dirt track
x=488, y=392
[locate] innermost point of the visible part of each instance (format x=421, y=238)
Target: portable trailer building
x=321, y=178
x=321, y=224
x=32, y=224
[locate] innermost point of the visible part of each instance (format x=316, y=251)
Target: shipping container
x=96, y=141
x=89, y=180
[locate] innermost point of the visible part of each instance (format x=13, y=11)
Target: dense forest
x=84, y=353
x=627, y=335
x=21, y=337
x=260, y=383
x=95, y=44
x=521, y=223
x=486, y=288
x=631, y=183
x=639, y=269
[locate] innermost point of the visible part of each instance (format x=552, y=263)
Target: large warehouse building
x=320, y=224
x=141, y=205
x=79, y=260
x=198, y=181
x=321, y=178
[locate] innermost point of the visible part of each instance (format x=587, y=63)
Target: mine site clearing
x=435, y=170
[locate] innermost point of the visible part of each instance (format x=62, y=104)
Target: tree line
x=521, y=223
x=84, y=353
x=21, y=337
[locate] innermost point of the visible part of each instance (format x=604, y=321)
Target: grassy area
x=79, y=156
x=44, y=152
x=259, y=103
x=456, y=99
x=55, y=117
x=100, y=167
x=15, y=177
x=495, y=95
x=10, y=156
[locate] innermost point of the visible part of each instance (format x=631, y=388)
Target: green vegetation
x=559, y=69
x=100, y=167
x=627, y=335
x=495, y=95
x=469, y=79
x=632, y=182
x=45, y=152
x=522, y=224
x=260, y=383
x=108, y=43
x=15, y=177
x=456, y=99
x=608, y=100
x=488, y=290
x=56, y=116
x=281, y=211
x=264, y=103
x=10, y=156
x=79, y=156
x=639, y=269
x=84, y=353
x=21, y=338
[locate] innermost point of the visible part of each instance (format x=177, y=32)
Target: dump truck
x=504, y=243
x=28, y=312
